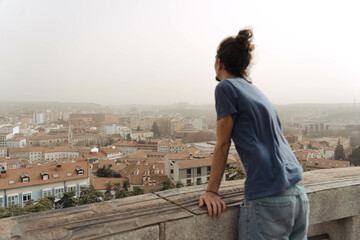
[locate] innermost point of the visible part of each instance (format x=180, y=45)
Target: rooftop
x=67, y=172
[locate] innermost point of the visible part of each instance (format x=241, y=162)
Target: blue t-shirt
x=270, y=164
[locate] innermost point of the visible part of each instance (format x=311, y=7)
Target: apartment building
x=111, y=153
x=151, y=145
x=170, y=146
x=47, y=140
x=127, y=147
x=60, y=152
x=137, y=135
x=18, y=140
x=3, y=152
x=193, y=171
x=17, y=186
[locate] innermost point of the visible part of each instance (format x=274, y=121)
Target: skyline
x=115, y=53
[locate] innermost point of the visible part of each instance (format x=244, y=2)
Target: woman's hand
x=214, y=204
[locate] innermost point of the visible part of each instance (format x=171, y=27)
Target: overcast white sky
x=162, y=51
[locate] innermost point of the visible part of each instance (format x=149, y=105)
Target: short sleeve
x=225, y=100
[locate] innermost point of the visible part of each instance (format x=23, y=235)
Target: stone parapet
x=174, y=214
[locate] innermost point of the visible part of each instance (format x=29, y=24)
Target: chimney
x=58, y=167
x=3, y=172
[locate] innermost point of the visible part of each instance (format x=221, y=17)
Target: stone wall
x=174, y=214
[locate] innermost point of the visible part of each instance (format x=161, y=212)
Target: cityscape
x=75, y=154
x=113, y=116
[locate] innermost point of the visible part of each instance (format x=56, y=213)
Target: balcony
x=174, y=214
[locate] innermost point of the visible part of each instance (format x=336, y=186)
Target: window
x=198, y=171
x=172, y=171
x=71, y=188
x=12, y=200
x=59, y=193
x=47, y=192
x=207, y=178
x=188, y=172
x=26, y=197
x=79, y=170
x=188, y=182
x=1, y=201
x=198, y=181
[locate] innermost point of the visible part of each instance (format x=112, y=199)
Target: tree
x=89, y=195
x=128, y=137
x=110, y=141
x=310, y=146
x=179, y=184
x=137, y=191
x=107, y=172
x=67, y=200
x=166, y=184
x=354, y=157
x=108, y=195
x=16, y=210
x=120, y=192
x=4, y=212
x=155, y=130
x=126, y=185
x=235, y=173
x=339, y=152
x=44, y=204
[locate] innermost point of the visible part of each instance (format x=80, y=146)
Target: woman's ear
x=219, y=64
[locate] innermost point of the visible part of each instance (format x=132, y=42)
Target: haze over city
x=162, y=52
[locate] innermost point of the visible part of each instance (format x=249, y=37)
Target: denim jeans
x=281, y=216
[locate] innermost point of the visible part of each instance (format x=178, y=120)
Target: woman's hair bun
x=235, y=53
x=244, y=37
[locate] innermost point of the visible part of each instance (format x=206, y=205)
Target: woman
x=276, y=205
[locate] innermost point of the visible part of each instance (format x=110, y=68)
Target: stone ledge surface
x=174, y=214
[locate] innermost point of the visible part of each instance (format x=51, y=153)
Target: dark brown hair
x=235, y=53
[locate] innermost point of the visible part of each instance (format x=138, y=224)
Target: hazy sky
x=163, y=51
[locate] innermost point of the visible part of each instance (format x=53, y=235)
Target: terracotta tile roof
x=67, y=172
x=17, y=137
x=103, y=162
x=61, y=149
x=142, y=168
x=158, y=183
x=26, y=149
x=47, y=136
x=154, y=160
x=178, y=156
x=138, y=154
x=100, y=182
x=151, y=153
x=108, y=150
x=326, y=163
